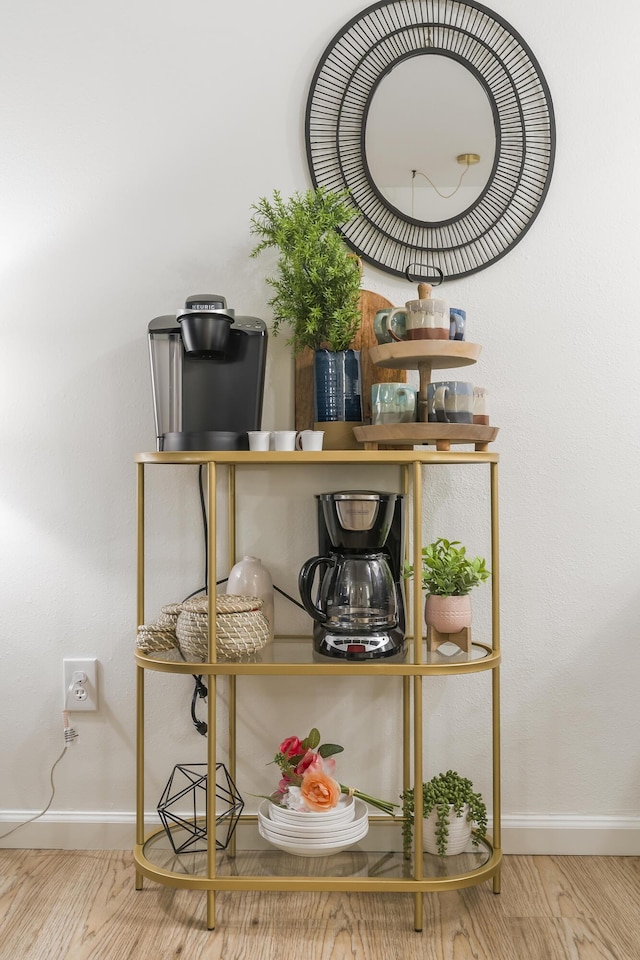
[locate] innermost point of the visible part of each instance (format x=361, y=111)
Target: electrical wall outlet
x=80, y=684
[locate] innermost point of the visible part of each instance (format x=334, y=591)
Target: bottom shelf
x=355, y=868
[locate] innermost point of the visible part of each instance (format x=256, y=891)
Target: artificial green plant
x=445, y=793
x=446, y=569
x=317, y=289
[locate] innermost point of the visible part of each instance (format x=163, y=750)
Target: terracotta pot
x=448, y=614
x=459, y=832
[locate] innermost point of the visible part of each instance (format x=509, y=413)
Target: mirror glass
x=424, y=114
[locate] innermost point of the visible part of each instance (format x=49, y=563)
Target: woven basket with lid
x=241, y=627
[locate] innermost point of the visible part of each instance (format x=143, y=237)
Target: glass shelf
x=295, y=655
x=354, y=863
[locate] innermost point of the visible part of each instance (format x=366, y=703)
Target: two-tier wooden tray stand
x=425, y=356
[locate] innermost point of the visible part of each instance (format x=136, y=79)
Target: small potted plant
x=317, y=289
x=448, y=574
x=453, y=815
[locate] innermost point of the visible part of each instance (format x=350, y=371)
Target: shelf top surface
x=296, y=656
x=302, y=457
x=354, y=862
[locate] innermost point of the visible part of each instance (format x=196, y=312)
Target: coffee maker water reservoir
x=207, y=374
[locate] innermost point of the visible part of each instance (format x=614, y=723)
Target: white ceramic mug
x=425, y=320
x=284, y=439
x=259, y=439
x=310, y=440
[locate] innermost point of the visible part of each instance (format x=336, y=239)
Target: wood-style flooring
x=82, y=905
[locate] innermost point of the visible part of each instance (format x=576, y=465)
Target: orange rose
x=319, y=791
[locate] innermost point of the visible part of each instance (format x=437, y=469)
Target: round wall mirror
x=435, y=116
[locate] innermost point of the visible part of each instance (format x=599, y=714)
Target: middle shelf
x=294, y=656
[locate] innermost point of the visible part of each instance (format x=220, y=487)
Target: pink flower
x=310, y=761
x=284, y=784
x=314, y=762
x=291, y=747
x=329, y=765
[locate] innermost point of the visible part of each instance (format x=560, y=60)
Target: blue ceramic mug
x=457, y=323
x=450, y=401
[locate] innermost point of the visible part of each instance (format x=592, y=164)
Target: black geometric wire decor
x=357, y=59
x=182, y=808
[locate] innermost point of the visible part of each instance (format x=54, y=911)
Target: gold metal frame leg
x=417, y=919
x=211, y=909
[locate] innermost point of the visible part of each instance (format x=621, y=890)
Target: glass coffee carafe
x=357, y=592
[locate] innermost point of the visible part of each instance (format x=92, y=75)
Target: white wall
x=136, y=136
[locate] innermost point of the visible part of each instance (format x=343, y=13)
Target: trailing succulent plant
x=317, y=290
x=443, y=792
x=447, y=571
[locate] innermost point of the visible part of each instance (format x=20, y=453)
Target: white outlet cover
x=88, y=665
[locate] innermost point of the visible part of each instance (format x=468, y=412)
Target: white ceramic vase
x=459, y=832
x=448, y=614
x=250, y=578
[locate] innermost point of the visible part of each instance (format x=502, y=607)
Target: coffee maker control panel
x=250, y=324
x=370, y=646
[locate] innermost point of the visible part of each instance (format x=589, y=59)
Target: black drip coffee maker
x=207, y=373
x=358, y=612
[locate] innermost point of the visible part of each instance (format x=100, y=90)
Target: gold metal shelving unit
x=384, y=871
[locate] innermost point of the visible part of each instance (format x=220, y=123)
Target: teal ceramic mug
x=384, y=319
x=392, y=403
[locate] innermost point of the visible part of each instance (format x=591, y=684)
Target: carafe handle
x=305, y=583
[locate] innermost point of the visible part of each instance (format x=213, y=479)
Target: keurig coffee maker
x=207, y=374
x=358, y=611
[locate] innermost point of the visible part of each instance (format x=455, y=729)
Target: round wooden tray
x=417, y=434
x=436, y=354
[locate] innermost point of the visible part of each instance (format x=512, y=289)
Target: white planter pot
x=448, y=614
x=459, y=832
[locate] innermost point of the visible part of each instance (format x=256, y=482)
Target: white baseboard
x=526, y=834
x=577, y=835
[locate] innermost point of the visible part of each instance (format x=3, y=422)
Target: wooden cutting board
x=370, y=303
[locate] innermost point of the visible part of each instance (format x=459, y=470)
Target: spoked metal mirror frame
x=354, y=63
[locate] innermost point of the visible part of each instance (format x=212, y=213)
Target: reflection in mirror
x=425, y=113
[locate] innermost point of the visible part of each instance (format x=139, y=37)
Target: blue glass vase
x=337, y=385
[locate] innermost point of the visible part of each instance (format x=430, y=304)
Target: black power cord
x=200, y=690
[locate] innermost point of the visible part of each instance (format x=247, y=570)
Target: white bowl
x=312, y=827
x=301, y=848
x=346, y=833
x=319, y=842
x=344, y=810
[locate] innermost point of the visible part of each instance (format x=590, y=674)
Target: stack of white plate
x=310, y=834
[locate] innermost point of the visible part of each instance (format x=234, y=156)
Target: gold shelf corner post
x=418, y=868
x=139, y=670
x=212, y=697
x=232, y=679
x=495, y=675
